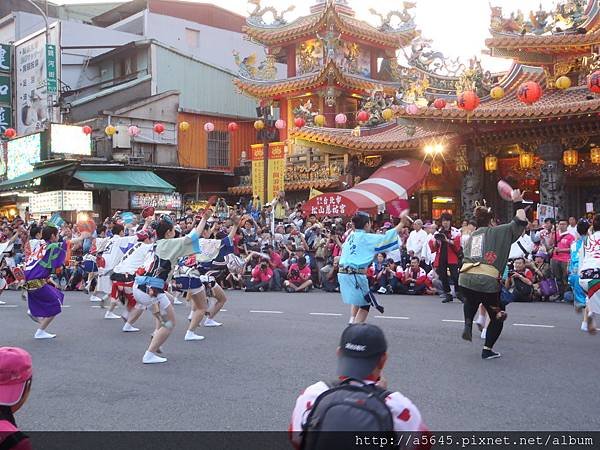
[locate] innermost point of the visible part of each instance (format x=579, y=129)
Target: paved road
x=247, y=374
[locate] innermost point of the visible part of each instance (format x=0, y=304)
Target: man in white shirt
x=522, y=248
x=572, y=228
x=427, y=256
x=416, y=239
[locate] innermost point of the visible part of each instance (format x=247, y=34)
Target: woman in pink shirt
x=559, y=263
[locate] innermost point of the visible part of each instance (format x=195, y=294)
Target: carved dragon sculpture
x=257, y=15
x=406, y=19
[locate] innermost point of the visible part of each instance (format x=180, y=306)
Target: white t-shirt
x=426, y=254
x=573, y=230
x=516, y=251
x=405, y=414
x=134, y=258
x=416, y=240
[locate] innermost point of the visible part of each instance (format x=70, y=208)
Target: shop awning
x=387, y=190
x=27, y=179
x=124, y=180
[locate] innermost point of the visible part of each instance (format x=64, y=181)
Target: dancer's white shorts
x=145, y=301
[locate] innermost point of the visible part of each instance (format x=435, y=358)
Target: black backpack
x=345, y=409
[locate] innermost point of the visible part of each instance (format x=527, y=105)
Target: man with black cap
x=362, y=355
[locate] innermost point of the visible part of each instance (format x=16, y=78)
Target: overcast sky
x=457, y=27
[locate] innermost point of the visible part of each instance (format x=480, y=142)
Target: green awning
x=27, y=179
x=124, y=180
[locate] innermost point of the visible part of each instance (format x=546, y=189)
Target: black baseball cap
x=361, y=347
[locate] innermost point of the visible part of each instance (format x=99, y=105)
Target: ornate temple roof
x=305, y=27
x=289, y=86
x=570, y=29
x=390, y=138
x=555, y=103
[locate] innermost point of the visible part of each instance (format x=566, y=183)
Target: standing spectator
x=416, y=239
x=427, y=256
x=15, y=385
x=299, y=277
x=561, y=256
x=446, y=245
x=544, y=236
x=572, y=228
x=281, y=208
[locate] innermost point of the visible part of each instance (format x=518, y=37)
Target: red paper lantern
x=299, y=122
x=363, y=116
x=594, y=82
x=468, y=100
x=10, y=133
x=159, y=128
x=439, y=103
x=529, y=92
x=87, y=130
x=233, y=127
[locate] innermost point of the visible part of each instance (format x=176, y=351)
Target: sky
x=458, y=28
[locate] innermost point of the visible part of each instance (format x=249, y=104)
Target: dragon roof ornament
x=406, y=20
x=568, y=17
x=257, y=16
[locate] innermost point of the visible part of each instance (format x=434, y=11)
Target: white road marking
x=532, y=325
x=453, y=320
x=95, y=306
x=9, y=306
x=66, y=306
x=223, y=310
x=393, y=317
x=266, y=312
x=325, y=314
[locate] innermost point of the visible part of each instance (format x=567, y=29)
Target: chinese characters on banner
x=276, y=169
x=32, y=85
x=139, y=200
x=5, y=89
x=258, y=171
x=329, y=205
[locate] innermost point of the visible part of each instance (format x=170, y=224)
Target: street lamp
x=47, y=35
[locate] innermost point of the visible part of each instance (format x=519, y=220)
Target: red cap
x=15, y=370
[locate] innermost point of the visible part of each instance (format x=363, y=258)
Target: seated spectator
x=541, y=271
x=520, y=282
x=276, y=264
x=262, y=277
x=380, y=275
x=299, y=277
x=15, y=385
x=362, y=355
x=415, y=278
x=329, y=275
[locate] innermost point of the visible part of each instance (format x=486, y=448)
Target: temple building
x=351, y=105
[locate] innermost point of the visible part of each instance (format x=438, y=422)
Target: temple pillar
x=472, y=182
x=552, y=190
x=291, y=61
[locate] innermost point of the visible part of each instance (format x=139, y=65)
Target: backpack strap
x=526, y=253
x=12, y=440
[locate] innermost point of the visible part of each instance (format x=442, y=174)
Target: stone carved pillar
x=472, y=182
x=552, y=190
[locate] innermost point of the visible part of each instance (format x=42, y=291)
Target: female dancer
x=485, y=258
x=149, y=290
x=357, y=254
x=45, y=300
x=589, y=274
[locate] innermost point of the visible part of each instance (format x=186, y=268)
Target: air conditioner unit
x=121, y=138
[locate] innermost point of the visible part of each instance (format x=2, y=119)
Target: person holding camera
x=415, y=278
x=262, y=277
x=380, y=275
x=520, y=281
x=446, y=246
x=299, y=277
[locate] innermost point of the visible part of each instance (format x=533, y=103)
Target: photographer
x=299, y=277
x=329, y=274
x=262, y=277
x=415, y=278
x=380, y=275
x=520, y=282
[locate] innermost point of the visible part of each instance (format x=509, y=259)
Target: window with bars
x=218, y=149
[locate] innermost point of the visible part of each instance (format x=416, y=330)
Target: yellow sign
x=276, y=169
x=258, y=171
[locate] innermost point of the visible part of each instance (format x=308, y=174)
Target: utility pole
x=47, y=35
